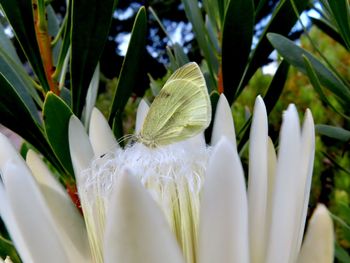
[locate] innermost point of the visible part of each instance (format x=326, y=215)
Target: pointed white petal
x=32, y=216
x=142, y=111
x=223, y=122
x=12, y=228
x=70, y=224
x=223, y=226
x=8, y=152
x=136, y=229
x=319, y=240
x=258, y=182
x=285, y=212
x=272, y=163
x=80, y=148
x=307, y=161
x=101, y=135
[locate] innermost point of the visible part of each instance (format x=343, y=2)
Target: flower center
x=172, y=174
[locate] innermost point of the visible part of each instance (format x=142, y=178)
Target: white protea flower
x=181, y=203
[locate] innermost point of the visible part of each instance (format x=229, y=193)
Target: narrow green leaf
x=236, y=43
x=16, y=75
x=315, y=82
x=294, y=55
x=91, y=20
x=328, y=29
x=333, y=132
x=276, y=86
x=7, y=46
x=194, y=15
x=7, y=249
x=129, y=74
x=56, y=115
x=341, y=254
x=282, y=20
x=341, y=14
x=20, y=15
x=214, y=99
x=13, y=107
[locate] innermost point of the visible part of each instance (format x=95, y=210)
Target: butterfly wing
x=181, y=110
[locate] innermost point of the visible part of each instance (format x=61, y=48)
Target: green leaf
x=294, y=55
x=56, y=115
x=12, y=107
x=7, y=249
x=341, y=254
x=20, y=15
x=129, y=74
x=91, y=20
x=282, y=20
x=315, y=82
x=7, y=46
x=333, y=132
x=194, y=15
x=236, y=43
x=328, y=29
x=19, y=79
x=341, y=14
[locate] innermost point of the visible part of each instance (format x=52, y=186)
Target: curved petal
x=32, y=216
x=142, y=111
x=318, y=245
x=223, y=226
x=136, y=229
x=70, y=224
x=307, y=161
x=12, y=228
x=284, y=224
x=80, y=148
x=258, y=182
x=223, y=122
x=101, y=135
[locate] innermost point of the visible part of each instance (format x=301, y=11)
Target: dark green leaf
x=129, y=74
x=19, y=80
x=8, y=249
x=56, y=116
x=333, y=132
x=317, y=85
x=282, y=20
x=12, y=107
x=236, y=43
x=328, y=29
x=341, y=254
x=91, y=20
x=20, y=15
x=294, y=55
x=214, y=99
x=194, y=15
x=340, y=10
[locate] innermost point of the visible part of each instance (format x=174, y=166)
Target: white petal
x=223, y=226
x=285, y=212
x=319, y=240
x=223, y=122
x=8, y=152
x=136, y=229
x=80, y=148
x=31, y=215
x=12, y=228
x=142, y=111
x=70, y=224
x=307, y=161
x=258, y=182
x=101, y=135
